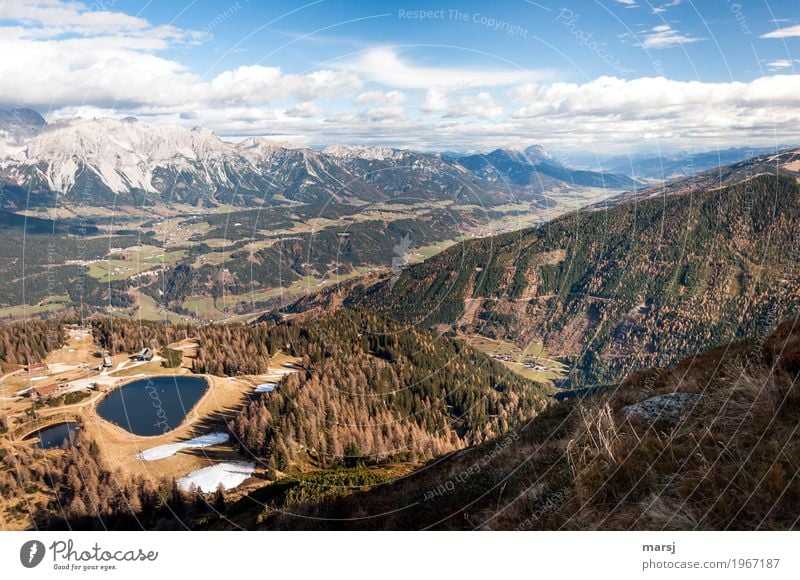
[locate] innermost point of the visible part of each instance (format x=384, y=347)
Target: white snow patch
x=229, y=475
x=266, y=387
x=355, y=152
x=164, y=451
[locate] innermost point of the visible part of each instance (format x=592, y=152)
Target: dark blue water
x=55, y=436
x=152, y=406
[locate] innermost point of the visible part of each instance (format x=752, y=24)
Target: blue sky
x=721, y=38
x=615, y=75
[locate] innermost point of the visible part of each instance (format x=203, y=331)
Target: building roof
x=44, y=390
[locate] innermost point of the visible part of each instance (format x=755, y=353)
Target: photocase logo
x=32, y=553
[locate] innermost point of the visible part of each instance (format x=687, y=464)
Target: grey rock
x=671, y=407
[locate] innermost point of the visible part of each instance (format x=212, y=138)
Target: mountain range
x=115, y=162
x=671, y=165
x=390, y=414
x=785, y=162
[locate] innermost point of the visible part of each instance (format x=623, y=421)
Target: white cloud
x=664, y=7
x=611, y=110
x=656, y=96
x=259, y=84
x=109, y=64
x=384, y=66
x=381, y=114
x=786, y=32
x=481, y=105
x=53, y=18
x=782, y=63
x=381, y=98
x=126, y=72
x=664, y=36
x=304, y=110
x=56, y=13
x=607, y=113
x=436, y=99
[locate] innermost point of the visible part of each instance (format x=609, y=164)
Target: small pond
x=55, y=436
x=154, y=405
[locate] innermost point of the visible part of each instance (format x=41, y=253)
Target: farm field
x=531, y=362
x=53, y=304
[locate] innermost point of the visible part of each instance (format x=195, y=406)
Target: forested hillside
x=631, y=286
x=368, y=392
x=368, y=385
x=726, y=461
x=232, y=349
x=376, y=391
x=75, y=489
x=29, y=342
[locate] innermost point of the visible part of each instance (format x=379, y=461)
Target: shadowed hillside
x=727, y=460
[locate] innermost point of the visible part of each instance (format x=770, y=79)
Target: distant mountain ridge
x=535, y=165
x=781, y=163
x=675, y=165
x=125, y=162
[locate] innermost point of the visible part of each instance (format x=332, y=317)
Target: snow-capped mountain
x=17, y=127
x=124, y=161
x=356, y=152
x=536, y=154
x=125, y=154
x=19, y=123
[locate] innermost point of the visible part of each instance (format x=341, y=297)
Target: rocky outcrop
x=672, y=407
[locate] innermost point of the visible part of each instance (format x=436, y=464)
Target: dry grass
x=731, y=462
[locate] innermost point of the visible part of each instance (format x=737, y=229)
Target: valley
x=225, y=232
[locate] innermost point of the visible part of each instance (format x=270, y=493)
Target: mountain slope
x=382, y=392
x=638, y=284
x=413, y=176
x=730, y=461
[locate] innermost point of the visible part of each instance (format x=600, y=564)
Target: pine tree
x=219, y=500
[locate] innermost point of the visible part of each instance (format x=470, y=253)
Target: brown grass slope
x=731, y=462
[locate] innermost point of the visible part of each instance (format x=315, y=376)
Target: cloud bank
x=105, y=63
